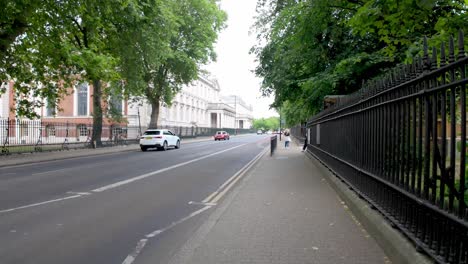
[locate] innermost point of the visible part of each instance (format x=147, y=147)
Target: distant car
x=221, y=135
x=161, y=139
x=269, y=132
x=259, y=132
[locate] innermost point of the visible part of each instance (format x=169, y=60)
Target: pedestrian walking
x=305, y=144
x=287, y=139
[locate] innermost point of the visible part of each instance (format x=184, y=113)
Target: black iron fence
x=400, y=142
x=18, y=136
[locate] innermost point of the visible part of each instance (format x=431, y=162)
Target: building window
x=50, y=130
x=82, y=99
x=82, y=130
x=50, y=110
x=116, y=98
x=115, y=104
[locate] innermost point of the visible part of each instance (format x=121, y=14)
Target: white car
x=159, y=138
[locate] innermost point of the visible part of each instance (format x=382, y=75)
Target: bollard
x=273, y=143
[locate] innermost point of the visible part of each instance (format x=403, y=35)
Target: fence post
x=5, y=149
x=38, y=146
x=65, y=142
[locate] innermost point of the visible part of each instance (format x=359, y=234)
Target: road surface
x=127, y=207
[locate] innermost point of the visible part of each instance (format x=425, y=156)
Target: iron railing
x=400, y=142
x=18, y=136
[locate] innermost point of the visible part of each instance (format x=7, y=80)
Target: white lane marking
x=201, y=203
x=141, y=244
x=130, y=258
x=120, y=183
x=41, y=203
x=219, y=191
x=80, y=193
x=45, y=172
x=157, y=232
x=72, y=168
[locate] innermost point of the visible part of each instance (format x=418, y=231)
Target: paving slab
x=284, y=211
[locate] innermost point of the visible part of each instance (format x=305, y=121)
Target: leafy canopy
x=166, y=48
x=311, y=48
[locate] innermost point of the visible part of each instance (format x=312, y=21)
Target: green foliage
x=154, y=46
x=313, y=48
x=65, y=42
x=168, y=43
x=264, y=124
x=399, y=29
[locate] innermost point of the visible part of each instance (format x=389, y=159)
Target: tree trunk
x=97, y=114
x=154, y=114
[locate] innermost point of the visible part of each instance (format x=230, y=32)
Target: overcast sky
x=234, y=65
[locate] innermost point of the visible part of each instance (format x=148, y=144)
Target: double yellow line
x=223, y=189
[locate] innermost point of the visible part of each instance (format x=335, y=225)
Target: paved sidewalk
x=28, y=158
x=284, y=212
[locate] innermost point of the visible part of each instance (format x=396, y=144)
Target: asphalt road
x=128, y=207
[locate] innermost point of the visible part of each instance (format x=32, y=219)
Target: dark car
x=221, y=135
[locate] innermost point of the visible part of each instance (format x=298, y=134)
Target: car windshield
x=219, y=132
x=152, y=132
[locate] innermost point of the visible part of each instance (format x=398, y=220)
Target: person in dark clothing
x=305, y=144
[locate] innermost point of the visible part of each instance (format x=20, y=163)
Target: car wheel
x=164, y=147
x=177, y=146
x=143, y=149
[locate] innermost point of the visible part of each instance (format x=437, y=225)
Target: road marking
x=41, y=203
x=141, y=244
x=72, y=168
x=201, y=203
x=130, y=258
x=80, y=193
x=45, y=172
x=222, y=190
x=120, y=183
x=114, y=185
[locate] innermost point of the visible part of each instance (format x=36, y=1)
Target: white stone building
x=244, y=118
x=197, y=105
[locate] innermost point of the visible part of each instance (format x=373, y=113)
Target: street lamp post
x=280, y=123
x=235, y=114
x=139, y=123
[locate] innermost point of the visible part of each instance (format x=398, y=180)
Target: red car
x=221, y=135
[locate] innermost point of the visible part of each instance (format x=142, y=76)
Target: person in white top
x=287, y=139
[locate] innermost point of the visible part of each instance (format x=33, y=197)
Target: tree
x=166, y=48
x=17, y=16
x=67, y=42
x=312, y=48
x=304, y=44
x=399, y=30
x=271, y=123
